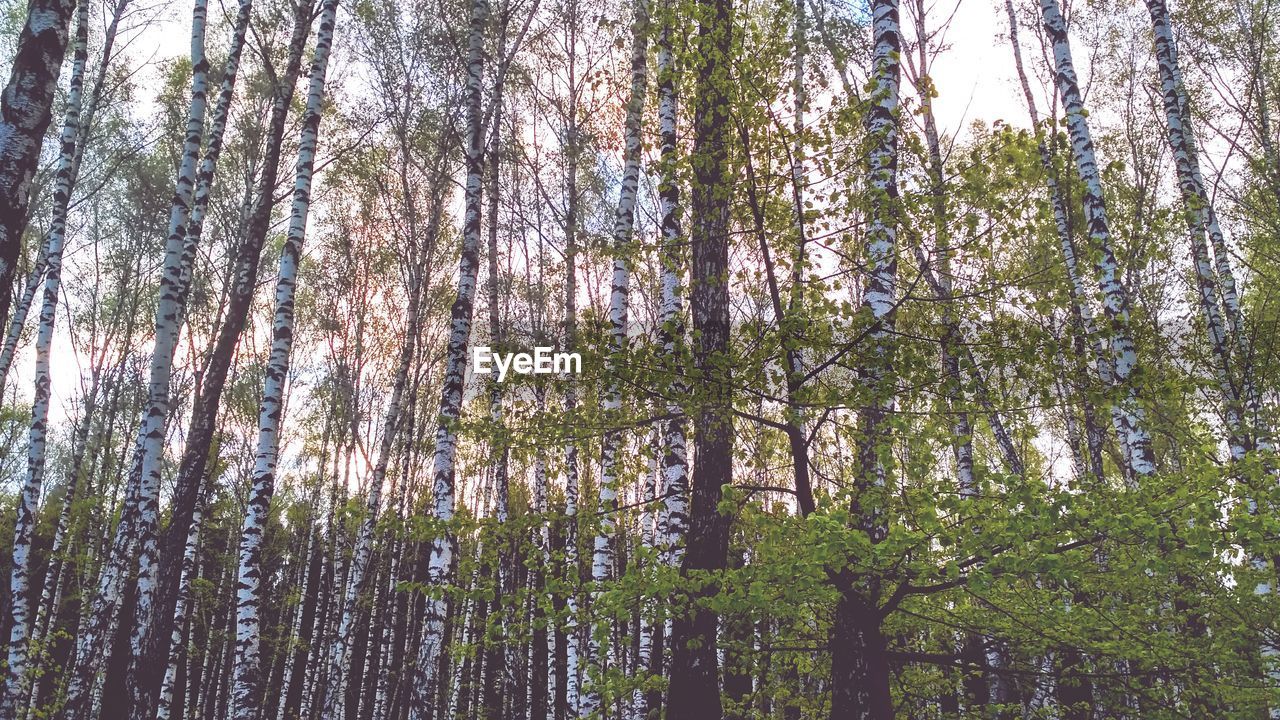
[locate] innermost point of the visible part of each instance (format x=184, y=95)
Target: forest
x=927, y=359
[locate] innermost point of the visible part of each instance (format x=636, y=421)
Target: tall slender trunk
x=164, y=707
x=1133, y=433
x=24, y=527
x=675, y=463
x=674, y=515
x=191, y=475
x=859, y=667
x=440, y=568
x=20, y=312
x=499, y=450
x=1081, y=312
x=646, y=626
x=75, y=134
x=572, y=632
x=1199, y=206
x=60, y=557
x=246, y=693
x=542, y=677
x=602, y=561
x=167, y=328
x=25, y=112
x=694, y=691
x=1198, y=210
x=962, y=432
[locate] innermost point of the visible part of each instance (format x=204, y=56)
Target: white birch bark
x=941, y=282
x=602, y=560
x=164, y=707
x=382, y=698
x=79, y=123
x=1081, y=308
x=193, y=231
x=167, y=326
x=246, y=691
x=880, y=293
x=213, y=148
x=675, y=463
x=102, y=619
x=24, y=117
x=1132, y=431
x=55, y=575
x=441, y=562
x=29, y=499
x=573, y=681
x=648, y=536
x=1213, y=280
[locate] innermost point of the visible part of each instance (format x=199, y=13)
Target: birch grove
x=639, y=360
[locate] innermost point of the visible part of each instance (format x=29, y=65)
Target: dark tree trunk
x=859, y=662
x=694, y=693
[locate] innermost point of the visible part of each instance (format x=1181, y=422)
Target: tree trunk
x=243, y=274
x=602, y=560
x=439, y=572
x=694, y=692
x=156, y=414
x=675, y=464
x=25, y=112
x=199, y=437
x=24, y=526
x=1133, y=433
x=246, y=692
x=859, y=665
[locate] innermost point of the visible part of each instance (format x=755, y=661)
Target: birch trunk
x=167, y=327
x=243, y=279
x=572, y=634
x=440, y=568
x=495, y=654
x=24, y=527
x=962, y=431
x=25, y=112
x=1133, y=433
x=75, y=133
x=859, y=663
x=20, y=312
x=675, y=463
x=602, y=560
x=648, y=537
x=1081, y=311
x=245, y=694
x=164, y=708
x=1223, y=322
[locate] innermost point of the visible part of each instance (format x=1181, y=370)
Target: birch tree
x=602, y=560
x=24, y=525
x=247, y=666
x=25, y=112
x=1132, y=430
x=428, y=680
